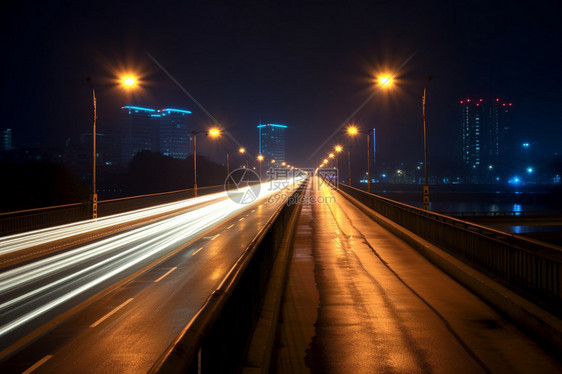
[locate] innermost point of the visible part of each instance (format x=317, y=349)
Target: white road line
x=197, y=251
x=229, y=227
x=168, y=272
x=241, y=219
x=214, y=237
x=110, y=313
x=37, y=364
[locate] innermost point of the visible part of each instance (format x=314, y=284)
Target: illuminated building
x=500, y=123
x=486, y=128
x=272, y=142
x=162, y=131
x=6, y=140
x=471, y=122
x=174, y=137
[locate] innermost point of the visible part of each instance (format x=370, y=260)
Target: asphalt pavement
x=360, y=300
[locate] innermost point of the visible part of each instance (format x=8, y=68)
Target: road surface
x=360, y=300
x=115, y=304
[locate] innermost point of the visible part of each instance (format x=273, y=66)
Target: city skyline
x=311, y=73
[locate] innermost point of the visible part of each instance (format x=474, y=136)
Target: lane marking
x=110, y=313
x=241, y=219
x=216, y=236
x=197, y=251
x=168, y=272
x=38, y=363
x=229, y=227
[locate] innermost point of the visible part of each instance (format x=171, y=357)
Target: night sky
x=305, y=64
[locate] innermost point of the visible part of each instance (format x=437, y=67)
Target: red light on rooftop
x=480, y=99
x=509, y=104
x=503, y=104
x=461, y=101
x=497, y=99
x=468, y=100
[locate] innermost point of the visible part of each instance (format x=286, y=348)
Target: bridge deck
x=360, y=300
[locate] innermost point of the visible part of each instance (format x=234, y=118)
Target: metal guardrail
x=33, y=219
x=527, y=266
x=215, y=339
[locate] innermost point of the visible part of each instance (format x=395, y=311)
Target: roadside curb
x=541, y=324
x=258, y=357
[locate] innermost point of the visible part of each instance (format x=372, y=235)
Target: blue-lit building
x=500, y=124
x=174, y=138
x=272, y=142
x=139, y=132
x=6, y=140
x=471, y=123
x=486, y=131
x=162, y=131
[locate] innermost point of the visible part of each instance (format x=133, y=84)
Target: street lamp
x=260, y=159
x=214, y=132
x=128, y=82
x=425, y=184
x=242, y=151
x=385, y=80
x=353, y=130
x=94, y=191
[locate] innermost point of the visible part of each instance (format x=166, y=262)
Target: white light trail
x=109, y=257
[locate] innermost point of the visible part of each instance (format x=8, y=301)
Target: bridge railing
x=215, y=339
x=33, y=219
x=529, y=267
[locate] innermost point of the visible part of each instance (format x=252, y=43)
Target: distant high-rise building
x=162, y=131
x=499, y=126
x=272, y=142
x=486, y=128
x=6, y=140
x=471, y=122
x=174, y=138
x=139, y=131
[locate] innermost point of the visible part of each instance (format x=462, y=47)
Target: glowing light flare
x=385, y=80
x=260, y=157
x=214, y=132
x=129, y=81
x=338, y=148
x=352, y=130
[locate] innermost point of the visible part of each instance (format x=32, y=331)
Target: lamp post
x=425, y=185
x=242, y=151
x=211, y=132
x=260, y=159
x=127, y=81
x=338, y=149
x=94, y=190
x=353, y=130
x=349, y=166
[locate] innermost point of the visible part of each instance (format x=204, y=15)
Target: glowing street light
x=260, y=159
x=354, y=130
x=213, y=132
x=385, y=80
x=129, y=82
